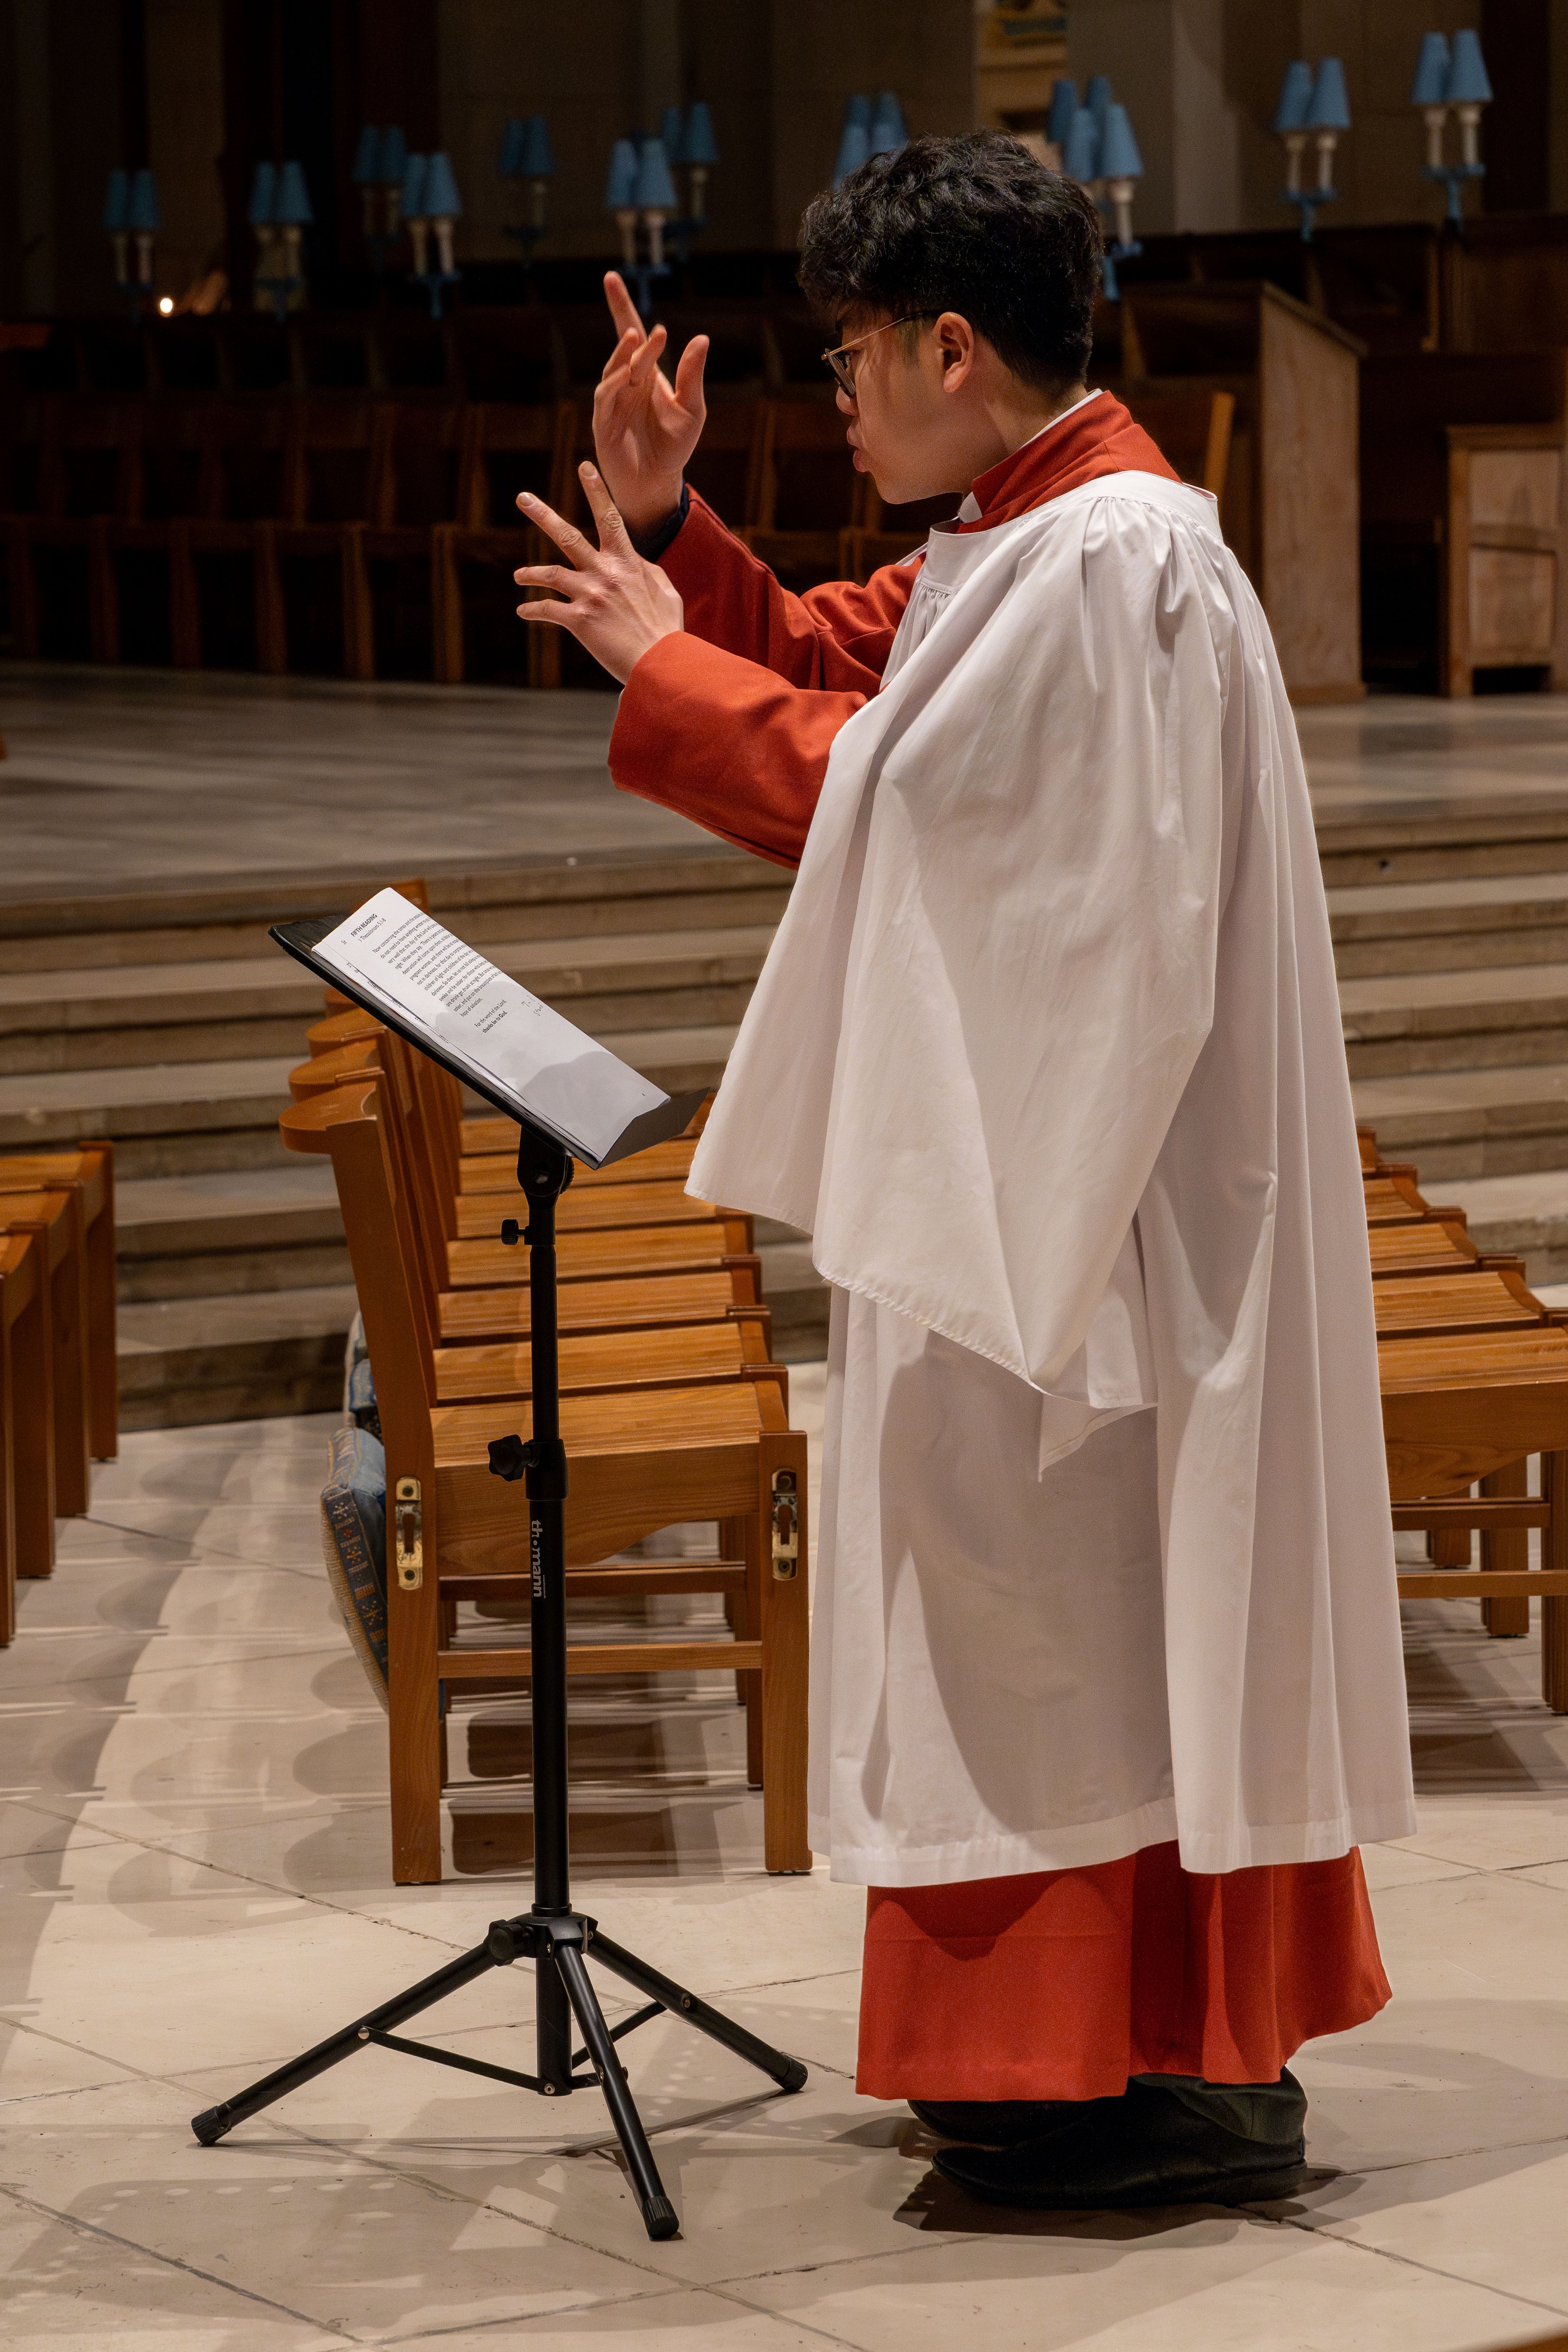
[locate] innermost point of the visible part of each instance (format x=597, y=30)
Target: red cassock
x=1056, y=1984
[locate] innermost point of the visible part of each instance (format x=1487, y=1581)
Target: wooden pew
x=55, y=1217
x=639, y=1460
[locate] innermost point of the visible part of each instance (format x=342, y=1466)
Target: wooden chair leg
x=102, y=1315
x=272, y=620
x=359, y=623
x=414, y=1727
x=184, y=604
x=1554, y=1608
x=784, y=1636
x=744, y=1614
x=23, y=596
x=102, y=594
x=446, y=611
x=33, y=1431
x=1506, y=1549
x=68, y=1350
x=1449, y=1547
x=8, y=1489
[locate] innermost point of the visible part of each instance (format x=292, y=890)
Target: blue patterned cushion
x=353, y=1542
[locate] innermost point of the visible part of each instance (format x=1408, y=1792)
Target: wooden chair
x=1192, y=430
x=336, y=459
x=508, y=449
x=224, y=593
x=639, y=1461
x=726, y=467
x=150, y=613
x=88, y=1169
x=55, y=1215
x=418, y=489
x=811, y=499
x=1469, y=1410
x=27, y=1468
x=59, y=561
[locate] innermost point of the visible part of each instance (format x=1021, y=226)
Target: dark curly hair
x=973, y=223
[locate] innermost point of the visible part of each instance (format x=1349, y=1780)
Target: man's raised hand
x=616, y=605
x=645, y=427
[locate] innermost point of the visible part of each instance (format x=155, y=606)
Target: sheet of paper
x=487, y=1020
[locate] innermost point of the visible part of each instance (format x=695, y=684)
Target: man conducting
x=1045, y=1055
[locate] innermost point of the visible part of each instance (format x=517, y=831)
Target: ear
x=955, y=346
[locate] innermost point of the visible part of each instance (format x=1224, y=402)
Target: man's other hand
x=616, y=605
x=645, y=427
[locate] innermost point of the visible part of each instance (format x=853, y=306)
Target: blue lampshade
x=1295, y=98
x=888, y=130
x=263, y=196
x=1097, y=98
x=672, y=134
x=858, y=112
x=292, y=209
x=620, y=187
x=1081, y=159
x=1064, y=106
x=394, y=156
x=413, y=196
x=1118, y=156
x=1431, y=81
x=854, y=148
x=116, y=200
x=508, y=162
x=143, y=211
x=701, y=147
x=1468, y=83
x=538, y=161
x=442, y=201
x=1330, y=107
x=655, y=188
x=366, y=171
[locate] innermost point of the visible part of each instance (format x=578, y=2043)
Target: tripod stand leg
x=658, y=2214
x=787, y=2073
x=213, y=2122
x=552, y=2028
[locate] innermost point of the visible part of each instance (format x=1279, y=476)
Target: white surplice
x=1046, y=1056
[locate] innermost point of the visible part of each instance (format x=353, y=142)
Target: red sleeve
x=730, y=721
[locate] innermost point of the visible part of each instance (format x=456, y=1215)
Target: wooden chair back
x=89, y=459
x=1192, y=430
x=335, y=459
x=726, y=467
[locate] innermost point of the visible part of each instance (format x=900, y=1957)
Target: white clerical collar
x=970, y=511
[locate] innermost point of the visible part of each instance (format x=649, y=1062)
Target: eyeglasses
x=841, y=363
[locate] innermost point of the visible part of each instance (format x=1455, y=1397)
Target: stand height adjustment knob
x=511, y=1233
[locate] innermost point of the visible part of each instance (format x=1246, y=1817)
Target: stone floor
x=194, y=1850
x=123, y=779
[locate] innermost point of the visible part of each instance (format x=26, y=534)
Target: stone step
x=1450, y=926
x=1470, y=1123
x=189, y=1117
x=1525, y=1216
x=1402, y=1024
x=224, y=1234
x=1444, y=845
x=251, y=1008
x=555, y=899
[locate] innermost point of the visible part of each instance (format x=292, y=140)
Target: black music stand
x=551, y=1934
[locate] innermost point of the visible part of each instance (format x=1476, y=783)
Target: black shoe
x=1170, y=2141
x=998, y=2123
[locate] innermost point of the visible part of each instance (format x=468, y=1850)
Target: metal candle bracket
x=556, y=1937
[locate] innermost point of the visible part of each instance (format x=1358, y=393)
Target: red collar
x=1099, y=437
